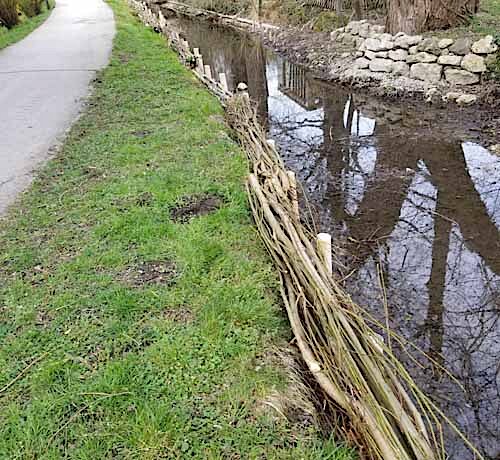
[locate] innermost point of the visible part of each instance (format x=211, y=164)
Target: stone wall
x=432, y=60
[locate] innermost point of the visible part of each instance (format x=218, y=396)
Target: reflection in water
x=401, y=200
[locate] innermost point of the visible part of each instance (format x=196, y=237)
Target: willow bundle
x=390, y=417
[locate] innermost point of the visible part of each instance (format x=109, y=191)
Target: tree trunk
x=357, y=9
x=416, y=16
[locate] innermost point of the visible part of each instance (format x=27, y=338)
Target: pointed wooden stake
x=208, y=71
x=294, y=197
x=324, y=246
x=223, y=82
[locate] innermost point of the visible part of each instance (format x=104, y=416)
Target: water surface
x=413, y=204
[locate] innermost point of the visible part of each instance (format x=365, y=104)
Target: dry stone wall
x=455, y=62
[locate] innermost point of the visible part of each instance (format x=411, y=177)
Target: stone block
x=364, y=30
x=378, y=29
x=381, y=65
x=450, y=59
x=426, y=72
x=362, y=63
x=430, y=45
x=370, y=55
x=407, y=41
x=421, y=57
x=386, y=37
x=461, y=77
x=398, y=55
x=445, y=43
x=485, y=46
x=462, y=46
x=466, y=99
x=375, y=44
x=401, y=68
x=473, y=63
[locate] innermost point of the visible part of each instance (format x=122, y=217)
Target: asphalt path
x=44, y=80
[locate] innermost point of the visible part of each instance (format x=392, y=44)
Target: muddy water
x=413, y=202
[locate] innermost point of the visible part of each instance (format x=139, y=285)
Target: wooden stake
x=199, y=63
x=208, y=71
x=223, y=82
x=324, y=246
x=293, y=193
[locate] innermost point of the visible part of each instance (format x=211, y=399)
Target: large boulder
x=426, y=72
x=421, y=57
x=461, y=77
x=485, y=46
x=375, y=44
x=398, y=55
x=473, y=63
x=462, y=46
x=381, y=65
x=450, y=59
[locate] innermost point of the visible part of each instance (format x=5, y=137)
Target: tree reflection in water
x=401, y=199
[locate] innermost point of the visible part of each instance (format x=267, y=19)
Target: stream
x=412, y=200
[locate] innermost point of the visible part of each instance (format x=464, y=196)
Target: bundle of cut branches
x=390, y=417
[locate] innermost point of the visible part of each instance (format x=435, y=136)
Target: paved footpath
x=44, y=80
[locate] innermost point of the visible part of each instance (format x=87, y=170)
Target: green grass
x=28, y=25
x=487, y=21
x=171, y=370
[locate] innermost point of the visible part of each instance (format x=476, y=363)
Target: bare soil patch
x=160, y=272
x=180, y=315
x=195, y=205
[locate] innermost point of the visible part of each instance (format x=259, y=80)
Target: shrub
x=30, y=7
x=328, y=21
x=8, y=13
x=222, y=6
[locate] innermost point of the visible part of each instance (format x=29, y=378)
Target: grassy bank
x=130, y=327
x=28, y=25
